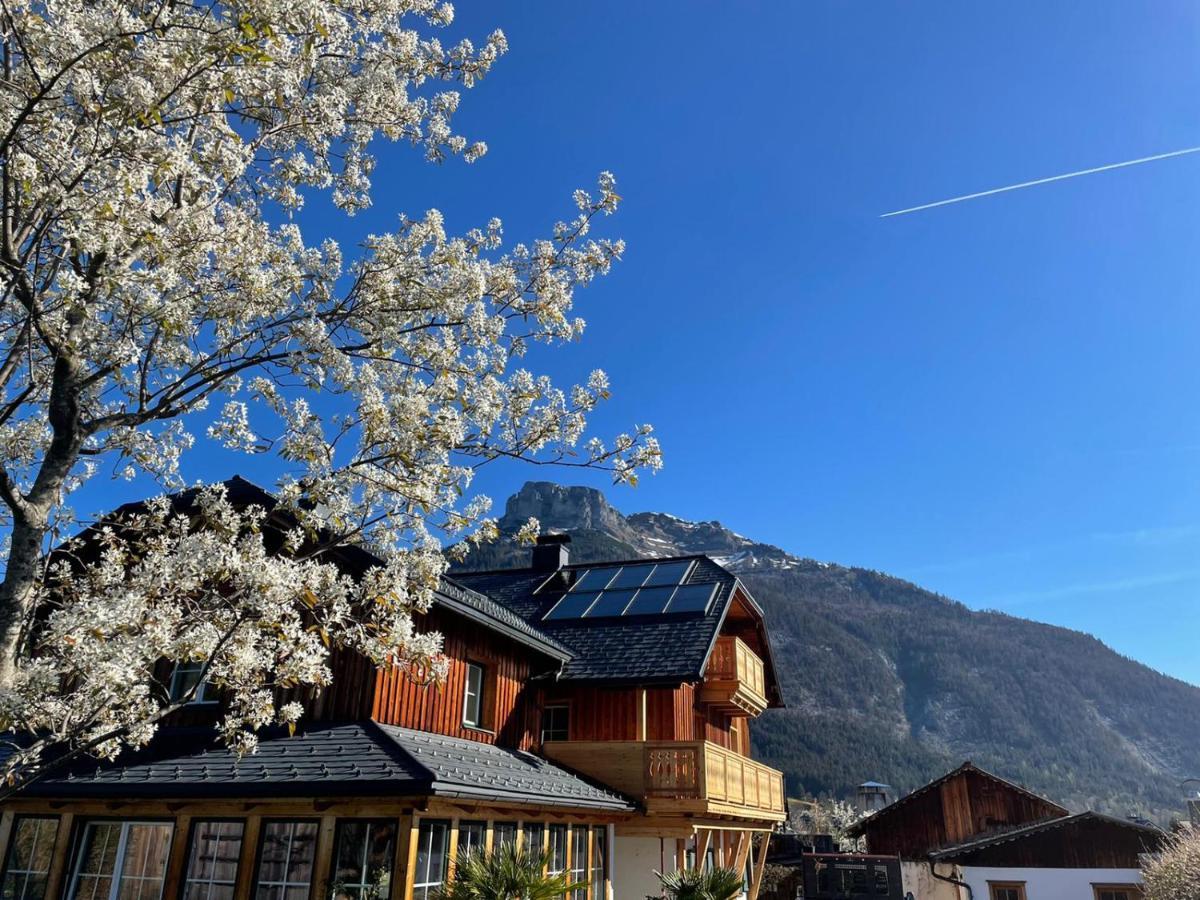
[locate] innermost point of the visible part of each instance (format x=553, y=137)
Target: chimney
x=551, y=552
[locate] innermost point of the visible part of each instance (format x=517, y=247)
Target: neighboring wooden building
x=597, y=712
x=970, y=834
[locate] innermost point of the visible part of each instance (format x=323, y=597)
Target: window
x=184, y=677
x=579, y=860
x=556, y=722
x=473, y=699
x=533, y=836
x=558, y=849
x=1006, y=890
x=599, y=860
x=29, y=854
x=285, y=860
x=504, y=833
x=213, y=860
x=471, y=837
x=126, y=860
x=432, y=840
x=362, y=859
x=1117, y=891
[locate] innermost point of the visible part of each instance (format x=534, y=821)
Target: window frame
x=203, y=686
x=12, y=845
x=421, y=890
x=598, y=864
x=579, y=869
x=552, y=829
x=264, y=826
x=1136, y=891
x=479, y=722
x=542, y=731
x=79, y=844
x=339, y=826
x=1018, y=886
x=181, y=892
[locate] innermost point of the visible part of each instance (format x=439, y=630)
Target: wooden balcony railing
x=735, y=678
x=679, y=776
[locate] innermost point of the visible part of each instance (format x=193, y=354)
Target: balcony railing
x=735, y=678
x=679, y=776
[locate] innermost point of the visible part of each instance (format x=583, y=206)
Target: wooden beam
x=410, y=856
x=60, y=862
x=324, y=857
x=249, y=858
x=760, y=863
x=703, y=836
x=6, y=829
x=177, y=860
x=743, y=850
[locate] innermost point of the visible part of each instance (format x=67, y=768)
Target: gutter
x=950, y=880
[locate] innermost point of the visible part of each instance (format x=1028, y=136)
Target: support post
x=760, y=863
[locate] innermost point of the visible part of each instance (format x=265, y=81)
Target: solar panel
x=641, y=589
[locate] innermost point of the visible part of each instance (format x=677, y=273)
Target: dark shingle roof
x=1018, y=834
x=636, y=649
x=350, y=759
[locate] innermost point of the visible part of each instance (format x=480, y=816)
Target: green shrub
x=702, y=884
x=506, y=873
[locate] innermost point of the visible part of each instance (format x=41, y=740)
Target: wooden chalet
x=972, y=834
x=597, y=712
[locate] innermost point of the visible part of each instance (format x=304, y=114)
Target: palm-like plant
x=505, y=873
x=702, y=884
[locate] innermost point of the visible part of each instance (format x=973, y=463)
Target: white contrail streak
x=1025, y=184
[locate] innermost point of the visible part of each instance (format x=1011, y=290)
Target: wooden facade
x=1085, y=841
x=965, y=803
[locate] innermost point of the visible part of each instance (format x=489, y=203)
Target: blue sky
x=998, y=399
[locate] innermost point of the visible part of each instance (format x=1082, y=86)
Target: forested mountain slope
x=886, y=681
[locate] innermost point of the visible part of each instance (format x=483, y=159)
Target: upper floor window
x=29, y=855
x=1118, y=891
x=186, y=675
x=121, y=861
x=556, y=722
x=473, y=696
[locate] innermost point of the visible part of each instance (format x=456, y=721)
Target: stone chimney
x=551, y=552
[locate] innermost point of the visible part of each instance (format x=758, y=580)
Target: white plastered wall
x=1048, y=884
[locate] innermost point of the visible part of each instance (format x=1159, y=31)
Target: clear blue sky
x=999, y=399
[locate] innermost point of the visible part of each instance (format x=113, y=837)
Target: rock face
x=884, y=680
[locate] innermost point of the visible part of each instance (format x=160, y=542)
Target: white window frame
x=475, y=695
x=40, y=824
x=221, y=837
x=188, y=668
x=424, y=889
x=118, y=871
x=283, y=886
x=565, y=830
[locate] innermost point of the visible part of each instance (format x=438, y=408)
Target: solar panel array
x=643, y=589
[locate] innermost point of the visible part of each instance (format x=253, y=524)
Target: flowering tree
x=156, y=291
x=1174, y=874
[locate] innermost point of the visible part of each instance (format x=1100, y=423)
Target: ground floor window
x=471, y=837
x=29, y=855
x=1006, y=890
x=504, y=833
x=533, y=835
x=1118, y=891
x=579, y=860
x=558, y=849
x=125, y=860
x=599, y=861
x=432, y=851
x=285, y=860
x=362, y=859
x=213, y=860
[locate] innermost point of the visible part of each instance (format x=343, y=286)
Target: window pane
x=555, y=723
x=213, y=860
x=473, y=695
x=504, y=833
x=29, y=854
x=599, y=857
x=144, y=864
x=558, y=849
x=286, y=860
x=471, y=837
x=431, y=858
x=362, y=859
x=533, y=837
x=579, y=860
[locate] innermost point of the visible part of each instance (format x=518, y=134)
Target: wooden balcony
x=679, y=777
x=734, y=680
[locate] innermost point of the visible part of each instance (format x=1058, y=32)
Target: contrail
x=1025, y=184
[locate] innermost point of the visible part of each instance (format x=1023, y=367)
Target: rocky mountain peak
x=562, y=508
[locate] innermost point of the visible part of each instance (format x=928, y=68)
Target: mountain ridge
x=885, y=680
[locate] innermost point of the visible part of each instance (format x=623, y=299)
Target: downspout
x=950, y=880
